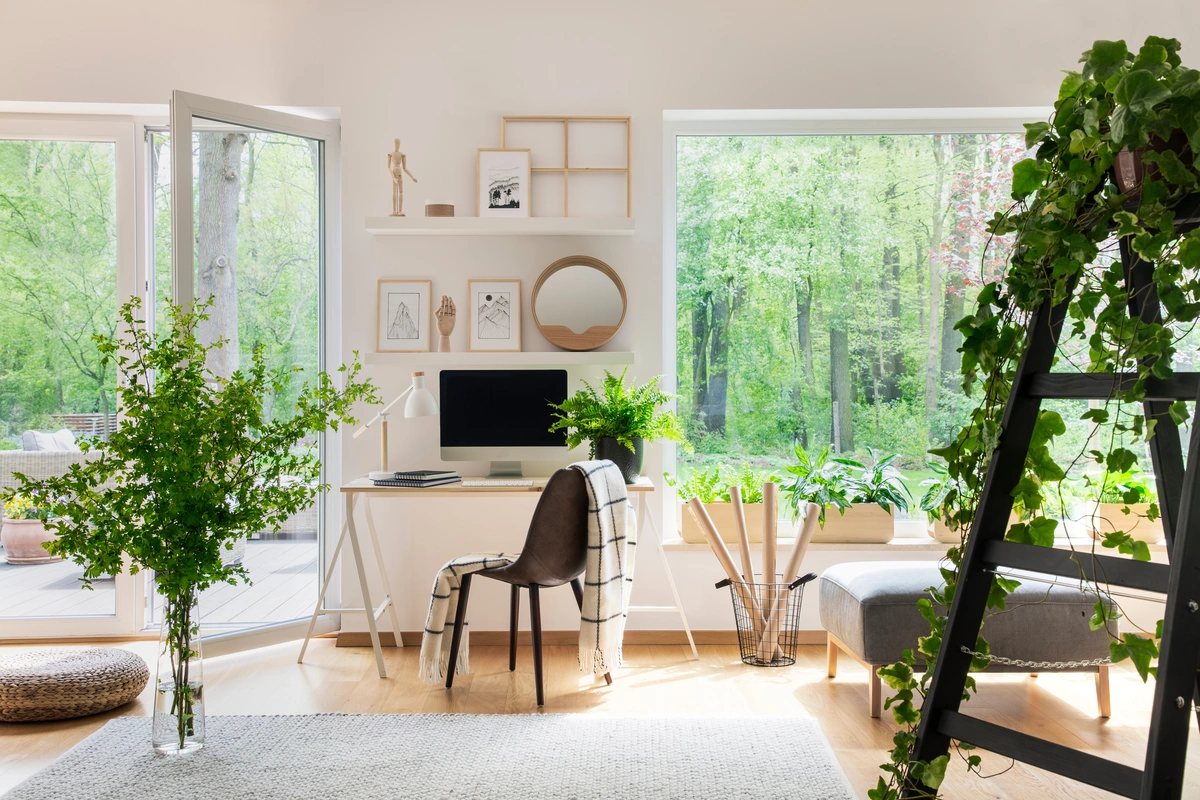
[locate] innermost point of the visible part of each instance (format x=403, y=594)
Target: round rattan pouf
x=68, y=682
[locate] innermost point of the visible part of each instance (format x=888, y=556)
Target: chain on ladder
x=1035, y=665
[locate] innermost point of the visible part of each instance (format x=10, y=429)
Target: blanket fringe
x=601, y=663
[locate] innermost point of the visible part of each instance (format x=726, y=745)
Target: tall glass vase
x=179, y=685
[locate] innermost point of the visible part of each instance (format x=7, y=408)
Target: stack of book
x=416, y=479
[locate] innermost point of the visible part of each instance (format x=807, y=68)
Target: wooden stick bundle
x=749, y=601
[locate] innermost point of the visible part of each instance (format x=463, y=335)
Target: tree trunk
x=218, y=196
x=700, y=354
x=892, y=353
x=718, y=367
x=952, y=311
x=804, y=378
x=933, y=339
x=840, y=389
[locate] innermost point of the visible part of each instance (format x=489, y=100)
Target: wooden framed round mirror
x=578, y=303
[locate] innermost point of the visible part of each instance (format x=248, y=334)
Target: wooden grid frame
x=566, y=169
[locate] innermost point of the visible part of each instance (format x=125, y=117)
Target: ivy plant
x=1067, y=219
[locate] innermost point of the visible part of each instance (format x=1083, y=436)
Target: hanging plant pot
x=1130, y=170
x=628, y=461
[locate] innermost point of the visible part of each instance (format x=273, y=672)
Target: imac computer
x=502, y=416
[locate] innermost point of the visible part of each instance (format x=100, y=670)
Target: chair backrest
x=556, y=546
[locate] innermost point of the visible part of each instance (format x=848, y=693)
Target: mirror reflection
x=579, y=297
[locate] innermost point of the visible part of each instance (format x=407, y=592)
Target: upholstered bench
x=869, y=609
x=68, y=682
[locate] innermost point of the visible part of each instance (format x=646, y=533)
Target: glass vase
x=179, y=684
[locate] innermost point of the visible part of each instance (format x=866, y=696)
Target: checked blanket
x=607, y=582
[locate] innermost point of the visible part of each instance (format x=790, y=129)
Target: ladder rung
x=1099, y=569
x=1065, y=761
x=1100, y=386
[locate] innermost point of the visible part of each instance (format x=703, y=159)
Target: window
x=818, y=280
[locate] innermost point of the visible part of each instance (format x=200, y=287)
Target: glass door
x=251, y=199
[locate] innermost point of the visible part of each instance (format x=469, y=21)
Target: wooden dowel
x=769, y=644
x=739, y=522
x=790, y=573
x=722, y=553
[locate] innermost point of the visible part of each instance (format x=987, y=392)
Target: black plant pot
x=628, y=461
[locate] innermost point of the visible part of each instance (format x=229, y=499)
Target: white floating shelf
x=563, y=358
x=487, y=226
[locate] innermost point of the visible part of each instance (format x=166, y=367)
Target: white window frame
x=801, y=122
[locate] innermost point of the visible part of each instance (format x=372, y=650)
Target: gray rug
x=467, y=757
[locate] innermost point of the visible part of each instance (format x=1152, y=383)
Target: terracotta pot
x=22, y=540
x=864, y=523
x=722, y=517
x=1110, y=517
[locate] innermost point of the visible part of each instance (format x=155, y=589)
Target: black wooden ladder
x=1177, y=684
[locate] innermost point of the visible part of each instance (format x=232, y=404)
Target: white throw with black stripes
x=608, y=576
x=443, y=605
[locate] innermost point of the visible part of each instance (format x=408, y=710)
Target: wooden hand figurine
x=398, y=167
x=445, y=322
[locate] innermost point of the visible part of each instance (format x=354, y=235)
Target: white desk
x=362, y=487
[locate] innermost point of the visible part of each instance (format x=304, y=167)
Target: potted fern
x=616, y=421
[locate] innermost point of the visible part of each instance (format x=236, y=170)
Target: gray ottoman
x=869, y=609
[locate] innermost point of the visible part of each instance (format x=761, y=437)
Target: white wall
x=440, y=75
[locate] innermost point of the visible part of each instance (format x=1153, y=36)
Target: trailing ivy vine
x=1067, y=219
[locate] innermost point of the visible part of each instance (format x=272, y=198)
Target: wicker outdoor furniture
x=68, y=682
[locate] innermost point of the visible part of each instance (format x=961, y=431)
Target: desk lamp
x=421, y=403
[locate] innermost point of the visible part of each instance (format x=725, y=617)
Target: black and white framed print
x=403, y=316
x=502, y=178
x=494, y=318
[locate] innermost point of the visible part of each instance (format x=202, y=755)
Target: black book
x=425, y=475
x=411, y=484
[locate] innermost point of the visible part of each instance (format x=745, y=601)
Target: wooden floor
x=656, y=680
x=283, y=574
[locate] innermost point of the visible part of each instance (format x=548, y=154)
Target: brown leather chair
x=555, y=553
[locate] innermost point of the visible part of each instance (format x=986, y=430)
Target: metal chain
x=1016, y=662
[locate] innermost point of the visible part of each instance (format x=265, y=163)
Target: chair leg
x=1103, y=699
x=535, y=622
x=514, y=606
x=577, y=589
x=460, y=620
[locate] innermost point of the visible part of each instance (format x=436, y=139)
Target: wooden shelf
x=487, y=226
x=555, y=358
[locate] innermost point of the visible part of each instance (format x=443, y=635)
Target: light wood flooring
x=656, y=680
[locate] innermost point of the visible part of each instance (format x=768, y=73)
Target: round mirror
x=578, y=303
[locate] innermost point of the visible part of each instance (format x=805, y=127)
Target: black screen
x=501, y=407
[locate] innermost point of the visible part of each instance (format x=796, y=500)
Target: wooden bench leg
x=875, y=693
x=831, y=654
x=1103, y=699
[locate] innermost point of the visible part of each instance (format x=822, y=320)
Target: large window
x=819, y=278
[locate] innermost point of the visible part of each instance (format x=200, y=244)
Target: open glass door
x=252, y=195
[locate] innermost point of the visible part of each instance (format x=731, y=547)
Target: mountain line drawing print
x=404, y=316
x=504, y=188
x=494, y=317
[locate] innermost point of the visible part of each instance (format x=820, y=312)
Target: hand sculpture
x=445, y=322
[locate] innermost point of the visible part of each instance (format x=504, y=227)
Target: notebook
x=411, y=484
x=425, y=475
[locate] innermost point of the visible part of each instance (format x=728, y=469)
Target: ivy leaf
x=1028, y=176
x=1104, y=59
x=1120, y=124
x=1141, y=550
x=1179, y=412
x=1068, y=88
x=1120, y=460
x=1041, y=531
x=1140, y=91
x=1127, y=224
x=1138, y=649
x=933, y=773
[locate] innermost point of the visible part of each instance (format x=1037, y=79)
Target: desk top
x=365, y=486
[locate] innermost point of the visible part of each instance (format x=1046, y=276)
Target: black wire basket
x=768, y=620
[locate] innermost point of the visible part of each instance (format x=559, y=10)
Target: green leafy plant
x=618, y=412
x=936, y=489
x=1129, y=487
x=713, y=485
x=822, y=480
x=879, y=483
x=21, y=505
x=1069, y=212
x=195, y=465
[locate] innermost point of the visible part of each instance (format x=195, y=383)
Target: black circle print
x=488, y=298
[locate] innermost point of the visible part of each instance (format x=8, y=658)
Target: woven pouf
x=68, y=682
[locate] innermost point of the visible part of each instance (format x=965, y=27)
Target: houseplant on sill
x=617, y=421
x=1123, y=502
x=194, y=466
x=864, y=496
x=24, y=535
x=712, y=487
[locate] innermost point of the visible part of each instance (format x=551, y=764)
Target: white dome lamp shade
x=421, y=403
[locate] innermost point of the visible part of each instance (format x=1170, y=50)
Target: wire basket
x=768, y=620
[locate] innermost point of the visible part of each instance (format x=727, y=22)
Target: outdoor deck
x=283, y=574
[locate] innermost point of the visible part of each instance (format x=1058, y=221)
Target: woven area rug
x=467, y=757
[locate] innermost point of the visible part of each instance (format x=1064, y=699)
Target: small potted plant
x=24, y=535
x=713, y=489
x=617, y=421
x=864, y=496
x=1125, y=503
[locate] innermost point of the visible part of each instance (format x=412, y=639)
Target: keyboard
x=499, y=482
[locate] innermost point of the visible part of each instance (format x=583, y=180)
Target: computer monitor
x=502, y=416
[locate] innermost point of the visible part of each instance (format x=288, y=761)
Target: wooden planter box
x=865, y=523
x=722, y=517
x=943, y=534
x=1109, y=517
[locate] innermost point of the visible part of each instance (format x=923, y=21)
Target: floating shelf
x=487, y=226
x=563, y=358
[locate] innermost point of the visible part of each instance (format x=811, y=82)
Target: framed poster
x=402, y=316
x=494, y=318
x=502, y=183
